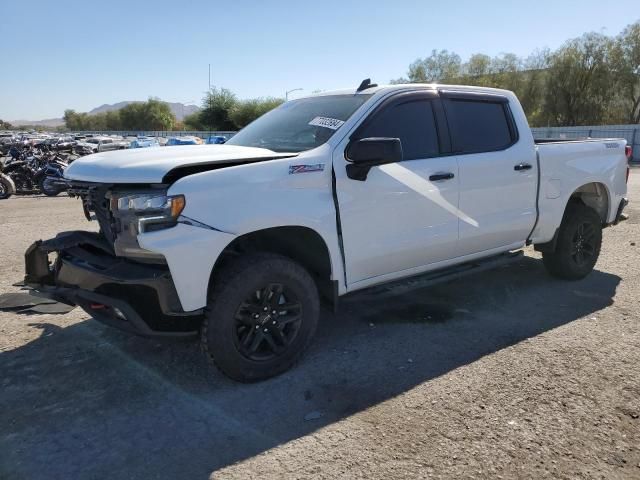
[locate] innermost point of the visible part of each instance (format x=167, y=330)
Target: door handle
x=522, y=166
x=441, y=176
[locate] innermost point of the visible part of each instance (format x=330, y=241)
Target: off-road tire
x=232, y=285
x=563, y=262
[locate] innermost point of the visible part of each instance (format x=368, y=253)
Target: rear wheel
x=261, y=316
x=6, y=189
x=578, y=244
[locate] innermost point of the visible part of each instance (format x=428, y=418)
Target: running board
x=443, y=275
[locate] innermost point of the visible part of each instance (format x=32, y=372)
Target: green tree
x=216, y=108
x=71, y=119
x=625, y=63
x=478, y=66
x=532, y=89
x=192, y=121
x=150, y=115
x=579, y=81
x=246, y=111
x=441, y=66
x=157, y=115
x=131, y=117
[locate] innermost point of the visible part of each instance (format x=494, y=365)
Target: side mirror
x=365, y=153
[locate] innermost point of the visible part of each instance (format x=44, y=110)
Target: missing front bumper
x=135, y=297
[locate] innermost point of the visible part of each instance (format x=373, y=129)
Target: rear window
x=479, y=126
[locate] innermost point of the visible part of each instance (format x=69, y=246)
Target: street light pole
x=209, y=94
x=286, y=94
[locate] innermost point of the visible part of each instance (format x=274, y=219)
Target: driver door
x=404, y=216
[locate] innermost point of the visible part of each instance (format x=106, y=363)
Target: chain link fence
x=161, y=133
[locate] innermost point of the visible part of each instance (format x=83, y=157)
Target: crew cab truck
x=323, y=196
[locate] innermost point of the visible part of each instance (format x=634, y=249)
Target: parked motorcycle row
x=33, y=163
x=31, y=169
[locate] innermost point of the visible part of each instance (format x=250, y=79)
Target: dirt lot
x=506, y=374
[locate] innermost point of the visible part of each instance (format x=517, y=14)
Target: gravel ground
x=503, y=374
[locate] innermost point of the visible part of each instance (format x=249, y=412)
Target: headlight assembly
x=150, y=211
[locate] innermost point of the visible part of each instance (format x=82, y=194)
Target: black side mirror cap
x=369, y=152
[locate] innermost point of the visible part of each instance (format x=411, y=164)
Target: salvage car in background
x=105, y=144
x=216, y=140
x=144, y=142
x=186, y=140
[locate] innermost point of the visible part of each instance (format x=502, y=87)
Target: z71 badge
x=317, y=167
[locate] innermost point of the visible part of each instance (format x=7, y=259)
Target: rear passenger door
x=498, y=172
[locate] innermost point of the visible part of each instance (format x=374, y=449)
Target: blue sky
x=81, y=54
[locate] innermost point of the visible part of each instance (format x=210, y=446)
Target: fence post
x=633, y=144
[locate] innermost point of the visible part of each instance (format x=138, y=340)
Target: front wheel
x=262, y=314
x=578, y=244
x=48, y=187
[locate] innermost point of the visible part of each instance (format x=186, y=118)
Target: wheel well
x=595, y=196
x=301, y=244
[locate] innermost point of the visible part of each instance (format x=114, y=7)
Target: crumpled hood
x=150, y=165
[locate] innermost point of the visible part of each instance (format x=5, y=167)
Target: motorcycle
x=50, y=177
x=30, y=173
x=7, y=187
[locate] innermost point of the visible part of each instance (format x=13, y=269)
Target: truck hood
x=151, y=165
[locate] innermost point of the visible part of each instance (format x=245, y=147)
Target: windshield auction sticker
x=327, y=122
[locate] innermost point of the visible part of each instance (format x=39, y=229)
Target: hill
x=178, y=109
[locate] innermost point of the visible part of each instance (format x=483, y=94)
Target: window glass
x=413, y=122
x=478, y=126
x=299, y=125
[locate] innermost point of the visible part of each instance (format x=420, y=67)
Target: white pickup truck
x=323, y=196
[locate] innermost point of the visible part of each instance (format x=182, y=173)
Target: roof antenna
x=366, y=83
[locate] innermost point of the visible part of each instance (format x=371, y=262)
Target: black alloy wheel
x=583, y=247
x=267, y=322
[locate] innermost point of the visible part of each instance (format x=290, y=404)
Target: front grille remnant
x=95, y=199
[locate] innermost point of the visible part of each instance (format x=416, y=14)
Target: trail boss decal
x=318, y=167
x=327, y=122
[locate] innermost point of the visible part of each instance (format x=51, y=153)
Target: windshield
x=299, y=125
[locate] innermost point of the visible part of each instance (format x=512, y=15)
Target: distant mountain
x=111, y=107
x=50, y=122
x=179, y=110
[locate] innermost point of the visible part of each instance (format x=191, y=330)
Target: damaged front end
x=107, y=274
